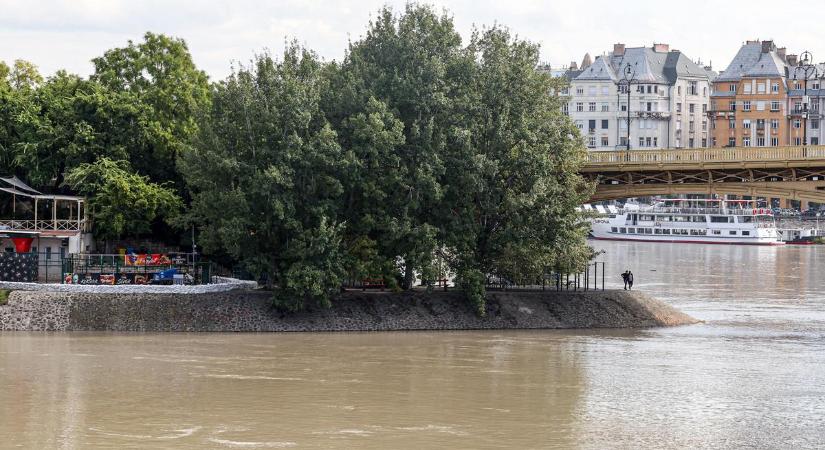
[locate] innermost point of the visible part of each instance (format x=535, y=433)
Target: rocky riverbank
x=354, y=311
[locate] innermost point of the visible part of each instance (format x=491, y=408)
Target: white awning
x=19, y=184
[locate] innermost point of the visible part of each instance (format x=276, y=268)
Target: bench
x=372, y=283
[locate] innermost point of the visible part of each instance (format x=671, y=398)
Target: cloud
x=69, y=33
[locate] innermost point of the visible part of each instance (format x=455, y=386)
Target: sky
x=67, y=34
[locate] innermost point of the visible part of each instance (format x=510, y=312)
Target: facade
x=669, y=98
x=749, y=106
x=805, y=101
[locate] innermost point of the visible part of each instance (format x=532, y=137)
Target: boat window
x=732, y=232
x=665, y=218
x=746, y=233
x=622, y=230
x=658, y=231
x=717, y=231
x=647, y=217
x=666, y=231
x=613, y=229
x=684, y=232
x=700, y=219
x=631, y=230
x=721, y=219
x=745, y=219
x=681, y=218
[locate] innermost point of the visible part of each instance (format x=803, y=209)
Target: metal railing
x=704, y=155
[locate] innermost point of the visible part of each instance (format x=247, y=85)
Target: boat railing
x=711, y=211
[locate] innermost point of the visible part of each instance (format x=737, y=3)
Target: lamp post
x=628, y=79
x=807, y=68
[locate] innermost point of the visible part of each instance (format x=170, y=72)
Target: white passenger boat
x=705, y=221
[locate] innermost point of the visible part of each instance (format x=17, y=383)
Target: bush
x=4, y=296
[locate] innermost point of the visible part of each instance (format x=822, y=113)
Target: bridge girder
x=813, y=191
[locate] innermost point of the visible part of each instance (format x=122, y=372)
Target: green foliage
x=4, y=296
x=265, y=177
x=122, y=202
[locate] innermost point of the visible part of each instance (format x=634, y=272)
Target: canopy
x=19, y=184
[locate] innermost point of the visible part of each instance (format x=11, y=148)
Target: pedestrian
x=630, y=280
x=625, y=278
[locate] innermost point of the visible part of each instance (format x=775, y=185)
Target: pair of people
x=627, y=276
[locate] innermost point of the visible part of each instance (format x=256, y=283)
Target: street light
x=628, y=79
x=807, y=68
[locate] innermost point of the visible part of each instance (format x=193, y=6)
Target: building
x=805, y=101
x=669, y=98
x=749, y=101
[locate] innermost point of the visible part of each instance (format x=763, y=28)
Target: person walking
x=625, y=278
x=629, y=280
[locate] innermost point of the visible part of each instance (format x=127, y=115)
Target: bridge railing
x=702, y=155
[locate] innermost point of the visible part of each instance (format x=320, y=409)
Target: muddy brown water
x=752, y=375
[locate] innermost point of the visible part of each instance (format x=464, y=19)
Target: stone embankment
x=250, y=310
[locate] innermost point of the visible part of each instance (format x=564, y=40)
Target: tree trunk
x=408, y=277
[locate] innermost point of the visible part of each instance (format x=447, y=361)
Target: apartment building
x=669, y=99
x=805, y=101
x=749, y=100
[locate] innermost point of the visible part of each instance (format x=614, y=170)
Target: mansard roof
x=750, y=61
x=649, y=66
x=600, y=70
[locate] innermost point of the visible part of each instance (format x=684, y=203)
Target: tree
x=404, y=71
x=24, y=75
x=512, y=172
x=159, y=74
x=121, y=201
x=264, y=175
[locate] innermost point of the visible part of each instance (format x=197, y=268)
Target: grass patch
x=4, y=296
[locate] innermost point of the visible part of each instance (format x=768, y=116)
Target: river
x=752, y=375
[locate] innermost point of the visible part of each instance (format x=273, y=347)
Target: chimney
x=573, y=65
x=661, y=48
x=781, y=52
x=791, y=60
x=767, y=46
x=618, y=49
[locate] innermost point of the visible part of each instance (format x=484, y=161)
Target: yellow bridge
x=787, y=173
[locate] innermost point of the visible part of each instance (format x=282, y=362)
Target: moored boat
x=705, y=221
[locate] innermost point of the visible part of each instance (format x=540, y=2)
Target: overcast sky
x=57, y=34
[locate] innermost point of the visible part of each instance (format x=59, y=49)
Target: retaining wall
x=243, y=310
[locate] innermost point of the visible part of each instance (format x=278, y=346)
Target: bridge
x=786, y=173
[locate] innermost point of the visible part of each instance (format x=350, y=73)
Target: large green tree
x=265, y=178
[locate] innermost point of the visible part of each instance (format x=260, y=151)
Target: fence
x=133, y=269
x=590, y=279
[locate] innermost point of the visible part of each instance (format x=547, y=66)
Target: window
x=814, y=124
x=797, y=141
x=746, y=124
x=746, y=233
x=641, y=142
x=732, y=232
x=797, y=106
x=691, y=126
x=704, y=142
x=732, y=88
x=704, y=125
x=580, y=125
x=815, y=85
x=760, y=88
x=592, y=142
x=623, y=88
x=591, y=125
x=815, y=106
x=775, y=124
x=605, y=141
x=732, y=105
x=814, y=140
x=613, y=229
x=719, y=219
x=579, y=106
x=605, y=107
x=760, y=106
x=591, y=106
x=48, y=253
x=732, y=142
x=774, y=142
x=623, y=107
x=649, y=89
x=704, y=107
x=655, y=141
x=760, y=124
x=565, y=108
x=746, y=105
x=622, y=230
x=692, y=107
x=797, y=123
x=649, y=106
x=717, y=232
x=679, y=107
x=678, y=90
x=732, y=124
x=692, y=88
x=704, y=92
x=760, y=141
x=605, y=124
x=775, y=87
x=623, y=141
x=690, y=142
x=746, y=88
x=579, y=90
x=746, y=141
x=774, y=106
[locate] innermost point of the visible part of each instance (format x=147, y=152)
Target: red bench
x=372, y=283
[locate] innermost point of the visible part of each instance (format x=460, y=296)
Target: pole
x=628, y=116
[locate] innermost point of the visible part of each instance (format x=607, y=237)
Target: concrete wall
x=252, y=311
